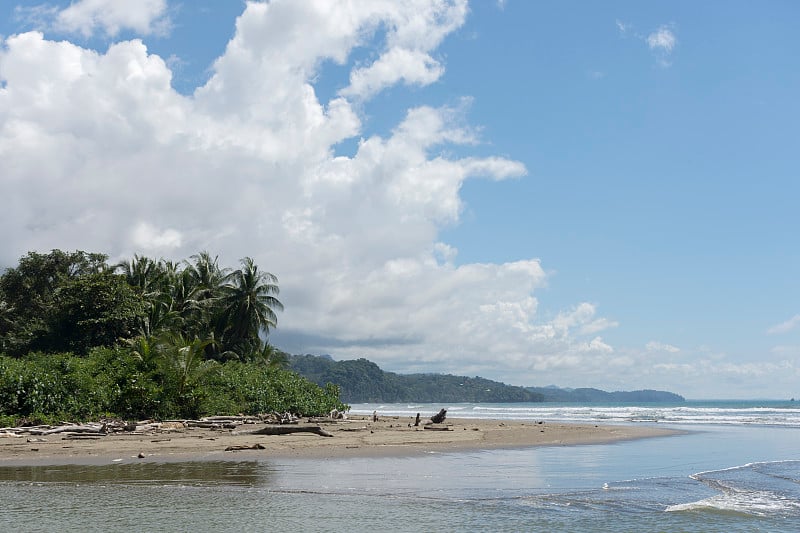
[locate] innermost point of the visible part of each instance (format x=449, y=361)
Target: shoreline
x=358, y=436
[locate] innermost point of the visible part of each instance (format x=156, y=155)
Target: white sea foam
x=759, y=489
x=691, y=413
x=757, y=503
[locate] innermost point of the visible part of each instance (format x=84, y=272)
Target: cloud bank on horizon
x=101, y=153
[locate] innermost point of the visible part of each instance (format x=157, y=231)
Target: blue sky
x=579, y=193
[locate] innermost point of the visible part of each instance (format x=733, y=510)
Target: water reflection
x=199, y=473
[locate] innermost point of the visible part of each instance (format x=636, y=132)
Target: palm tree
x=142, y=273
x=184, y=357
x=156, y=283
x=184, y=368
x=271, y=357
x=248, y=303
x=206, y=275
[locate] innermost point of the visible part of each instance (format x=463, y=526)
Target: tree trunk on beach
x=285, y=430
x=439, y=417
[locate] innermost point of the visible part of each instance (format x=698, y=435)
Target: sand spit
x=354, y=437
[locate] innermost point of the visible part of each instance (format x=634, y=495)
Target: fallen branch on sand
x=285, y=430
x=93, y=429
x=244, y=447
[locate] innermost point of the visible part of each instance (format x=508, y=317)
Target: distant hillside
x=554, y=394
x=362, y=381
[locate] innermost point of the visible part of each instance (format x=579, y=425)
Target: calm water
x=723, y=476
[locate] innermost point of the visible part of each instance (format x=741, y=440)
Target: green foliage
x=363, y=381
x=74, y=301
x=97, y=309
x=588, y=395
x=30, y=303
x=256, y=388
x=143, y=339
x=247, y=307
x=51, y=385
x=171, y=381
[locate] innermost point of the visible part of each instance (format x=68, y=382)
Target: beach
x=357, y=436
x=710, y=466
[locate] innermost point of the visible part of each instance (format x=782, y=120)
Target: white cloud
x=597, y=325
x=581, y=320
x=706, y=369
x=785, y=327
x=112, y=16
x=100, y=153
x=791, y=351
x=411, y=66
x=662, y=40
x=411, y=36
x=655, y=346
x=596, y=345
x=151, y=239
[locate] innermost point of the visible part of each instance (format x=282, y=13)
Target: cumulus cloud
x=785, y=327
x=151, y=239
x=100, y=153
x=112, y=16
x=655, y=346
x=107, y=17
x=412, y=36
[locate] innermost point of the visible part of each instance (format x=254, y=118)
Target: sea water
x=720, y=475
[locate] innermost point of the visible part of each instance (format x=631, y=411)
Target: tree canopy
x=143, y=338
x=75, y=301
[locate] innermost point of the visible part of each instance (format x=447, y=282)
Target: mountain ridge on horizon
x=363, y=381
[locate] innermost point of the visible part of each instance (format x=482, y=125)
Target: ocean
x=735, y=467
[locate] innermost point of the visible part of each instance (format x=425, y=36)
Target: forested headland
x=362, y=381
x=81, y=338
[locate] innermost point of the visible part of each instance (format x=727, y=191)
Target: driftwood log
x=439, y=417
x=211, y=425
x=286, y=430
x=95, y=430
x=241, y=419
x=237, y=448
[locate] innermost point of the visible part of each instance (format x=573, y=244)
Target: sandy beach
x=354, y=437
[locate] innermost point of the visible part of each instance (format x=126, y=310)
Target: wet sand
x=355, y=437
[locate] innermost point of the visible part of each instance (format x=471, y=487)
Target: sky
x=585, y=194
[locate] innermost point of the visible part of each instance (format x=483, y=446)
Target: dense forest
x=145, y=338
x=589, y=395
x=362, y=381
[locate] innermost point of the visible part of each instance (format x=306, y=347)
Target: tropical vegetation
x=362, y=381
x=82, y=338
